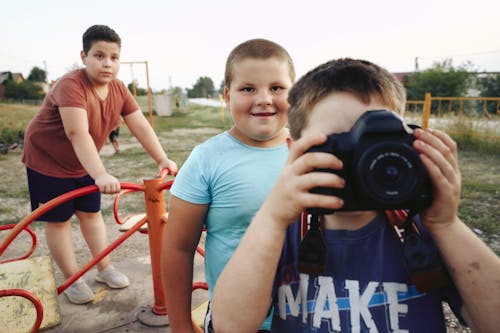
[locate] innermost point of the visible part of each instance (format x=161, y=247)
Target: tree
x=489, y=86
x=221, y=87
x=204, y=87
x=37, y=75
x=23, y=90
x=138, y=91
x=176, y=91
x=441, y=80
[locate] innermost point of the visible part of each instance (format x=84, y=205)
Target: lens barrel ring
x=390, y=173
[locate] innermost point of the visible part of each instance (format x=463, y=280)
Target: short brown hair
x=97, y=33
x=258, y=49
x=361, y=78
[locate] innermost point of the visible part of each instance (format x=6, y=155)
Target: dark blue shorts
x=44, y=188
x=207, y=324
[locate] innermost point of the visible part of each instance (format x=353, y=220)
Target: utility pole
x=45, y=69
x=416, y=64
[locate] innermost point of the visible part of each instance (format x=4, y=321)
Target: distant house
x=401, y=76
x=4, y=76
x=44, y=86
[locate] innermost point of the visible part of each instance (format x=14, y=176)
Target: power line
x=418, y=58
x=462, y=54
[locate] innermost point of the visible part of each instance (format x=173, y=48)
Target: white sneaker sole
x=79, y=302
x=114, y=286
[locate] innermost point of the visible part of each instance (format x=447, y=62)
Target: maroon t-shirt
x=46, y=149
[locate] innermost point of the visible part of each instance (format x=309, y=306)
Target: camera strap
x=421, y=257
x=312, y=248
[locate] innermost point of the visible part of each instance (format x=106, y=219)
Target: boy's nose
x=107, y=62
x=264, y=98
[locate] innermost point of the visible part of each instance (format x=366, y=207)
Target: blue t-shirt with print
x=366, y=287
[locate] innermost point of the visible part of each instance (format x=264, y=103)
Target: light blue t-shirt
x=234, y=179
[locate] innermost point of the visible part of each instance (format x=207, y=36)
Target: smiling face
x=102, y=62
x=257, y=99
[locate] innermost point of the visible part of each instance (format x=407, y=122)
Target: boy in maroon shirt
x=61, y=153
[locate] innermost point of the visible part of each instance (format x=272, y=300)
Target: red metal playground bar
x=156, y=218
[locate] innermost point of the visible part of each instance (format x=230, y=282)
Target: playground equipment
x=155, y=218
x=150, y=97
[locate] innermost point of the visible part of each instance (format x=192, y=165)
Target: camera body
x=381, y=168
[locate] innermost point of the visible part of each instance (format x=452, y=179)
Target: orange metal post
x=155, y=210
x=150, y=98
x=427, y=111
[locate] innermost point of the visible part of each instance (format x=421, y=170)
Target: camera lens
x=390, y=173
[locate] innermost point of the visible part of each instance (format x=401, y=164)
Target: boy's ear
x=226, y=95
x=83, y=56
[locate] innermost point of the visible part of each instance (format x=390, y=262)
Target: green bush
x=23, y=90
x=10, y=136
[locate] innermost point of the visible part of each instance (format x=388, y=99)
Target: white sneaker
x=112, y=277
x=79, y=292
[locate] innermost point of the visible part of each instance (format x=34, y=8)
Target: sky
x=182, y=40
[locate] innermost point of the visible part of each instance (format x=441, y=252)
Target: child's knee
x=84, y=217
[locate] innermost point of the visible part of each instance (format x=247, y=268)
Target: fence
x=473, y=116
x=21, y=101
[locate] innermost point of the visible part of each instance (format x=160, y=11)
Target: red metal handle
x=53, y=203
x=33, y=242
x=164, y=172
x=30, y=297
x=115, y=204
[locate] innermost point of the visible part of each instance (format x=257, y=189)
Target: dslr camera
x=381, y=168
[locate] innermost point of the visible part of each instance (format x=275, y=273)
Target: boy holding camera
x=366, y=285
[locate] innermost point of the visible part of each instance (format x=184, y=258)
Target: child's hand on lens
x=439, y=156
x=290, y=196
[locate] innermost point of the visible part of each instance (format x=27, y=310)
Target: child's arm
x=242, y=296
x=474, y=267
x=76, y=127
x=182, y=234
x=143, y=131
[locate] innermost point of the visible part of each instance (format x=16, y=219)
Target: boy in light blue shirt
x=225, y=179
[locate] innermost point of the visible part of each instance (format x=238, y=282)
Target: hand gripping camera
x=382, y=171
x=381, y=168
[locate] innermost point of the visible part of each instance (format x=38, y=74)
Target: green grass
x=13, y=120
x=480, y=204
x=482, y=145
x=16, y=116
x=195, y=116
x=470, y=132
x=479, y=160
